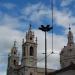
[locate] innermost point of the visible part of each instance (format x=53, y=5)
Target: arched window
x=31, y=51
x=14, y=52
x=30, y=38
x=30, y=73
x=14, y=62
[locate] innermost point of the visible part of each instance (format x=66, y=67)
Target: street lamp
x=45, y=29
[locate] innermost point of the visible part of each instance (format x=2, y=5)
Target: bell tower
x=13, y=60
x=29, y=53
x=67, y=54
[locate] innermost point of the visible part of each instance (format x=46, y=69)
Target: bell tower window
x=14, y=62
x=31, y=51
x=14, y=52
x=30, y=73
x=30, y=38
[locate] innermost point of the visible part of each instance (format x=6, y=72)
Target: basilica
x=28, y=64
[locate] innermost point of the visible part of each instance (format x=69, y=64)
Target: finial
x=69, y=27
x=30, y=27
x=23, y=41
x=14, y=43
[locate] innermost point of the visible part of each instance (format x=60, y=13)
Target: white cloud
x=8, y=5
x=36, y=12
x=9, y=21
x=12, y=22
x=66, y=2
x=63, y=18
x=8, y=35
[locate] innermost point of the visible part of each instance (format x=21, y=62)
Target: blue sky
x=15, y=17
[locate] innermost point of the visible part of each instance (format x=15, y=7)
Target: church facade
x=28, y=64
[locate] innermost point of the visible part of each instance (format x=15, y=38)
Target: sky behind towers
x=15, y=17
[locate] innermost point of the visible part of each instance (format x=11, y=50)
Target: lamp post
x=45, y=29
